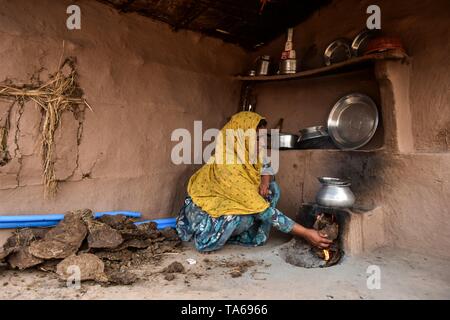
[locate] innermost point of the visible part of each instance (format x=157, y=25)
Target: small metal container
x=263, y=65
x=288, y=66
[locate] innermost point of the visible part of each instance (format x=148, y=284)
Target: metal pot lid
x=353, y=121
x=337, y=51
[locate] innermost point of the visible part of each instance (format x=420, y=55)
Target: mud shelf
x=349, y=65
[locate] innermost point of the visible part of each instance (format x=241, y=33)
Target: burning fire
x=326, y=254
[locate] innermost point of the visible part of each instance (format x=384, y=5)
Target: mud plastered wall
x=143, y=81
x=413, y=189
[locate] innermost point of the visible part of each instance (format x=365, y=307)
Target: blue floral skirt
x=211, y=234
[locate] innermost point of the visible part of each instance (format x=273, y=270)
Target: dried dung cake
x=71, y=230
x=23, y=237
x=142, y=231
x=23, y=259
x=118, y=221
x=20, y=239
x=103, y=236
x=133, y=243
x=16, y=250
x=64, y=239
x=91, y=267
x=103, y=249
x=326, y=225
x=170, y=234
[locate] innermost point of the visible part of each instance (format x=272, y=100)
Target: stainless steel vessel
x=359, y=44
x=288, y=141
x=337, y=51
x=335, y=193
x=288, y=66
x=312, y=133
x=353, y=121
x=263, y=65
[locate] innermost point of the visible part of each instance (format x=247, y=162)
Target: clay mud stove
x=112, y=115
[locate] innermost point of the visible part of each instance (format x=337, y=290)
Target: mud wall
x=413, y=189
x=142, y=80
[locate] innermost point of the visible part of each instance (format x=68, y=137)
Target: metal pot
x=288, y=66
x=287, y=141
x=263, y=65
x=335, y=193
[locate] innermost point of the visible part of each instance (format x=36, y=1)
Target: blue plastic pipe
x=161, y=223
x=27, y=224
x=59, y=217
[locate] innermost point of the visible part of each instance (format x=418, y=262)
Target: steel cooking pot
x=335, y=193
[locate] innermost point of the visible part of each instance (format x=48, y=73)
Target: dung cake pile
x=101, y=250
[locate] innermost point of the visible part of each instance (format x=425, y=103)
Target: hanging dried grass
x=59, y=94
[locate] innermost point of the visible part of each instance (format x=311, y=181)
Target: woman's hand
x=317, y=239
x=312, y=236
x=264, y=189
x=264, y=186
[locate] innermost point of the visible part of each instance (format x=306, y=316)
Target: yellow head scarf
x=224, y=188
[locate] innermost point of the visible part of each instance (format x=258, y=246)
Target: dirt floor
x=249, y=273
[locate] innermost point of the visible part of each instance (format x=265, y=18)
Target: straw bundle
x=59, y=94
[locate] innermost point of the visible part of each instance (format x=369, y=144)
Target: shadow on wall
x=364, y=171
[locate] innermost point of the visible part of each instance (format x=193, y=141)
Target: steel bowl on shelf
x=360, y=42
x=312, y=133
x=283, y=141
x=337, y=51
x=288, y=141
